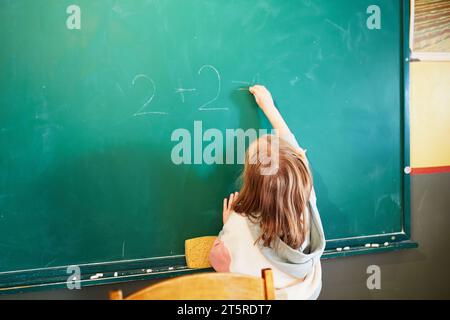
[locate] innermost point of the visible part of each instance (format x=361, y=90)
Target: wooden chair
x=207, y=286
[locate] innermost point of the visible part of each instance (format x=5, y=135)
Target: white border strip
x=431, y=56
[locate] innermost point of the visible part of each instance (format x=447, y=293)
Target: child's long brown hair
x=276, y=201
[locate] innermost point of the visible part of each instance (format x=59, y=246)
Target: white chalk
x=386, y=244
x=367, y=245
x=116, y=274
x=149, y=270
x=338, y=249
x=375, y=245
x=346, y=248
x=170, y=268
x=96, y=276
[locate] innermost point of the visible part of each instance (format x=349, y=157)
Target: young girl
x=273, y=222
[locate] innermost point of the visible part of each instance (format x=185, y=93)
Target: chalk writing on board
x=241, y=82
x=182, y=91
x=142, y=110
x=244, y=86
x=204, y=107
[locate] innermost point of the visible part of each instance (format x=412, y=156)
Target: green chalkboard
x=91, y=94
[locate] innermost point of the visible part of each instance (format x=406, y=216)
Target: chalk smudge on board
x=121, y=11
x=345, y=33
x=120, y=88
x=294, y=81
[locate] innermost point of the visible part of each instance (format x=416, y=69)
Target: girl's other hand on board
x=228, y=205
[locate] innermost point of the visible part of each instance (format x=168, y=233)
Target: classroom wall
x=419, y=273
x=430, y=114
x=410, y=274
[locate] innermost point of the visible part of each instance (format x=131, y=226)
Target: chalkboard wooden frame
x=163, y=267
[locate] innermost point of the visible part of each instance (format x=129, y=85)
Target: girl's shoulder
x=236, y=222
x=290, y=138
x=235, y=218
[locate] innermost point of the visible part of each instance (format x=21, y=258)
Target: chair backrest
x=208, y=286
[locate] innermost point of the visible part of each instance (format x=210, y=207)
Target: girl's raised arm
x=265, y=102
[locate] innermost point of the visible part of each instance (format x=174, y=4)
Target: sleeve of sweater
x=289, y=137
x=219, y=257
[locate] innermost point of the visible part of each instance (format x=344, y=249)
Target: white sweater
x=238, y=251
x=247, y=258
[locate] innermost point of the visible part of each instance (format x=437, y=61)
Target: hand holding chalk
x=262, y=96
x=265, y=102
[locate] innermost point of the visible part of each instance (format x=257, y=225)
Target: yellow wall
x=430, y=114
